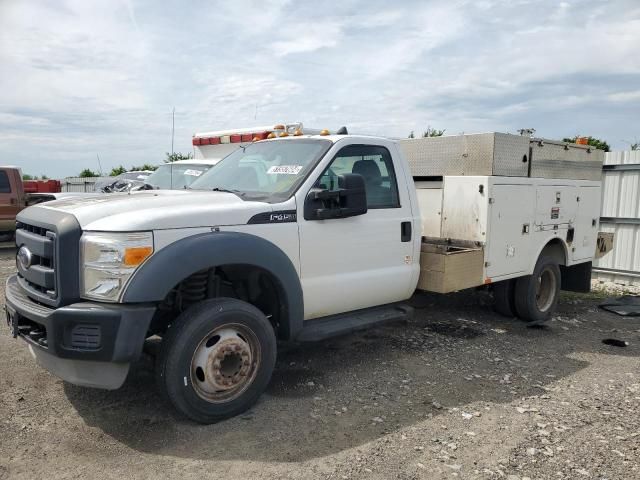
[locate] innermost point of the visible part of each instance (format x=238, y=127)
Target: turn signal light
x=324, y=132
x=284, y=134
x=134, y=256
x=297, y=133
x=271, y=135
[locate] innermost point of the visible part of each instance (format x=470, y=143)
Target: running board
x=341, y=324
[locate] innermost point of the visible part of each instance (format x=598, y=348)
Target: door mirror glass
x=348, y=200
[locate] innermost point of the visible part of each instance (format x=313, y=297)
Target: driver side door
x=362, y=261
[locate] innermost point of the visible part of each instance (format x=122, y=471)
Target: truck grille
x=38, y=277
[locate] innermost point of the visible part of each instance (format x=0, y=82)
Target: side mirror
x=349, y=200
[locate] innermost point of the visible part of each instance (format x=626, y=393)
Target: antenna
x=99, y=165
x=173, y=127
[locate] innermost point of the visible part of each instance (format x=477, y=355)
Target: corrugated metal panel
x=80, y=184
x=620, y=201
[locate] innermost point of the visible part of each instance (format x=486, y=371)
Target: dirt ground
x=458, y=392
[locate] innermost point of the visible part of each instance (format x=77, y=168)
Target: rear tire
x=216, y=359
x=536, y=295
x=504, y=301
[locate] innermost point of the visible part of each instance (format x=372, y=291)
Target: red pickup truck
x=14, y=197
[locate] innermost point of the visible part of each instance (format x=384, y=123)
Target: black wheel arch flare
x=177, y=261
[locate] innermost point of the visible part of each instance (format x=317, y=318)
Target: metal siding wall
x=79, y=184
x=621, y=198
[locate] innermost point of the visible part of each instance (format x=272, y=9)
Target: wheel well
x=556, y=250
x=248, y=283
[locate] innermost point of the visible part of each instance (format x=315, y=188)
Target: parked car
x=16, y=194
x=122, y=183
x=178, y=175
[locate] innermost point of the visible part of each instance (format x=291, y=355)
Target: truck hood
x=157, y=210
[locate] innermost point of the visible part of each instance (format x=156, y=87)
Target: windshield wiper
x=226, y=190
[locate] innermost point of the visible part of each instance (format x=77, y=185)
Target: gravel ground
x=458, y=392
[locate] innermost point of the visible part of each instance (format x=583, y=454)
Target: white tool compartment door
x=511, y=214
x=556, y=205
x=586, y=224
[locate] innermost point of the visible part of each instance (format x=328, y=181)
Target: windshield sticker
x=285, y=169
x=193, y=173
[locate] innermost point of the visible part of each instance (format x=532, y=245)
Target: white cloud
x=81, y=78
x=630, y=96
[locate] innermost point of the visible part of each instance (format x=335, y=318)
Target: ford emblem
x=24, y=257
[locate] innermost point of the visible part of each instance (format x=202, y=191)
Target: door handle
x=405, y=232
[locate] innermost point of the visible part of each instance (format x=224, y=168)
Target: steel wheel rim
x=225, y=363
x=545, y=289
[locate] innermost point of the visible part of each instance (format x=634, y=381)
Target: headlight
x=108, y=260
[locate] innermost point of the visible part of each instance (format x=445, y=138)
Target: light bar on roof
x=232, y=138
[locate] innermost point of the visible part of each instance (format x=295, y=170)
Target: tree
x=635, y=146
x=432, y=132
x=26, y=176
x=44, y=177
x=146, y=166
x=119, y=170
x=174, y=157
x=87, y=173
x=594, y=142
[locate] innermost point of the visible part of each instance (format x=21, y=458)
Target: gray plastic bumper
x=85, y=343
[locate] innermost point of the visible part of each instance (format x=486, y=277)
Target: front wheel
x=536, y=295
x=216, y=359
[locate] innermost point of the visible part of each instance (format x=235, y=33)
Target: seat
x=377, y=195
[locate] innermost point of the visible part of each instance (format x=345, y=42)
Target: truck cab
x=293, y=238
x=12, y=199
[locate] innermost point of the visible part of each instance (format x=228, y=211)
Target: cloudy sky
x=85, y=78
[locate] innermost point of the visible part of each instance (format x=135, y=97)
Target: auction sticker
x=193, y=173
x=285, y=169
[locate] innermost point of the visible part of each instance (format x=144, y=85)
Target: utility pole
x=99, y=165
x=173, y=127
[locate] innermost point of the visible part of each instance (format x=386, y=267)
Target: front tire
x=536, y=295
x=216, y=359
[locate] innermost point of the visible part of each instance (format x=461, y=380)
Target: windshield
x=176, y=176
x=269, y=171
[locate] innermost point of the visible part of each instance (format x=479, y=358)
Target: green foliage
x=115, y=171
x=87, y=173
x=594, y=142
x=146, y=166
x=635, y=146
x=174, y=157
x=26, y=176
x=432, y=132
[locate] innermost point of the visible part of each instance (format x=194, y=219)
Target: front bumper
x=85, y=343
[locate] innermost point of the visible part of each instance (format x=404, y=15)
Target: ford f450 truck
x=296, y=238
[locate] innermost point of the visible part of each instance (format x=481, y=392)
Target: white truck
x=296, y=238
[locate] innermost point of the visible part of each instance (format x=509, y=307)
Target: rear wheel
x=536, y=295
x=504, y=298
x=216, y=359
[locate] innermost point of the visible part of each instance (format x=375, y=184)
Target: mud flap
x=576, y=278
